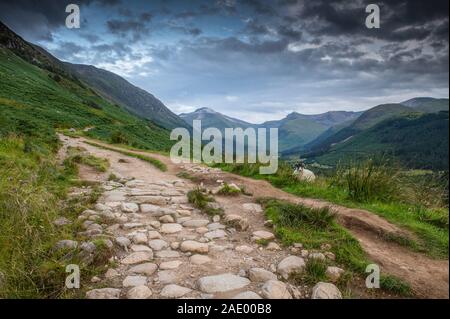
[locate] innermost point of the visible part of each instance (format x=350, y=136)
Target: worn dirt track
x=428, y=277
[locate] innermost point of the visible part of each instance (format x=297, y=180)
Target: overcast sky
x=254, y=60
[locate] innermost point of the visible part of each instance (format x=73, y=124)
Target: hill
x=211, y=118
x=416, y=140
x=365, y=121
x=120, y=91
x=427, y=104
x=38, y=95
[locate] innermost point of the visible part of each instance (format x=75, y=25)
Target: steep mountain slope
x=427, y=104
x=365, y=121
x=297, y=130
x=120, y=91
x=416, y=140
x=211, y=118
x=37, y=96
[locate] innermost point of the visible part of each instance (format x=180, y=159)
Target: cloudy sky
x=252, y=59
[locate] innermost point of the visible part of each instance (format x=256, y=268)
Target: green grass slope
x=35, y=102
x=417, y=141
x=120, y=91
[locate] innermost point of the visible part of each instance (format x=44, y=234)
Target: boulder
x=139, y=292
x=222, y=283
x=324, y=290
x=274, y=289
x=290, y=265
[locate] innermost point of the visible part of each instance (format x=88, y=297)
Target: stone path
x=162, y=247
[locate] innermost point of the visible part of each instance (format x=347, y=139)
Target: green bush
x=368, y=181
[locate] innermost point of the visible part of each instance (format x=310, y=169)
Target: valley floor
x=183, y=253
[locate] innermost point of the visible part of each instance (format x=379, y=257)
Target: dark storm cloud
x=271, y=54
x=38, y=19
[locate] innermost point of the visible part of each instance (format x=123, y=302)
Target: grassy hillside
x=428, y=104
x=417, y=141
x=296, y=130
x=34, y=102
x=365, y=121
x=135, y=99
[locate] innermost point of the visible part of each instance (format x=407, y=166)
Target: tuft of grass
x=227, y=190
x=157, y=163
x=368, y=181
x=263, y=242
x=395, y=285
x=293, y=216
x=188, y=176
x=200, y=200
x=314, y=272
x=81, y=156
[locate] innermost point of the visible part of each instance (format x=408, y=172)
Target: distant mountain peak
x=205, y=110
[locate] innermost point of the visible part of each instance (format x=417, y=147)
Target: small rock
x=195, y=223
x=167, y=276
x=334, y=273
x=268, y=223
x=175, y=245
x=330, y=255
x=140, y=248
x=111, y=273
x=158, y=244
x=274, y=289
x=273, y=246
x=261, y=275
x=201, y=230
x=103, y=293
x=304, y=253
x=173, y=264
x=262, y=234
x=153, y=234
x=149, y=209
x=95, y=279
x=140, y=238
x=222, y=283
x=174, y=291
x=137, y=257
x=289, y=265
x=215, y=234
x=199, y=259
x=129, y=207
x=171, y=228
x=244, y=249
x=325, y=247
x=133, y=281
x=143, y=269
x=324, y=290
x=252, y=208
x=166, y=219
x=194, y=247
x=123, y=242
x=139, y=292
x=88, y=247
x=236, y=221
x=247, y=295
x=216, y=218
x=167, y=254
x=298, y=245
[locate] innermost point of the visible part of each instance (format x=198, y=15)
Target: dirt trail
x=428, y=277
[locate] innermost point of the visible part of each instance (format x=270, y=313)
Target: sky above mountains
x=254, y=60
